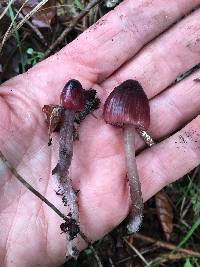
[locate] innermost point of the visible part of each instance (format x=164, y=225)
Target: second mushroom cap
x=127, y=104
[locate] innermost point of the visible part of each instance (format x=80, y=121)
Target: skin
x=30, y=234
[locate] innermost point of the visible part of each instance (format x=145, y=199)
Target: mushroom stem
x=62, y=171
x=136, y=212
x=66, y=143
x=64, y=162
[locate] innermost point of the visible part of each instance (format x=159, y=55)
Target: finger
x=169, y=160
x=131, y=20
x=119, y=35
x=158, y=64
x=172, y=109
x=104, y=190
x=108, y=44
x=175, y=107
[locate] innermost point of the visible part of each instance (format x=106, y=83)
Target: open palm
x=111, y=51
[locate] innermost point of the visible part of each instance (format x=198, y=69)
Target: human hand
x=111, y=51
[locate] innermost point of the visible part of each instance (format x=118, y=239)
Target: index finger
x=102, y=49
x=120, y=34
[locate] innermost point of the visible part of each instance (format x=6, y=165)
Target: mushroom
x=128, y=107
x=72, y=100
x=76, y=104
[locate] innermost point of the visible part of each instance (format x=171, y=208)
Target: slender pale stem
x=66, y=143
x=136, y=212
x=65, y=158
x=62, y=170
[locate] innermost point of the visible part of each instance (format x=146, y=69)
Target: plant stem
x=30, y=187
x=188, y=235
x=71, y=26
x=34, y=28
x=46, y=201
x=17, y=37
x=166, y=245
x=136, y=212
x=136, y=252
x=6, y=9
x=10, y=32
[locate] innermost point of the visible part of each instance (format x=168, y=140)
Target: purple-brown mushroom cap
x=72, y=96
x=127, y=104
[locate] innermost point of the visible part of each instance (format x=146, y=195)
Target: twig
x=46, y=201
x=35, y=192
x=32, y=12
x=136, y=251
x=6, y=9
x=167, y=257
x=187, y=226
x=96, y=256
x=85, y=20
x=34, y=28
x=188, y=235
x=71, y=26
x=123, y=261
x=18, y=26
x=111, y=262
x=29, y=187
x=96, y=14
x=183, y=213
x=8, y=32
x=166, y=245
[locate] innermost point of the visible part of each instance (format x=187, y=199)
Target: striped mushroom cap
x=127, y=104
x=72, y=96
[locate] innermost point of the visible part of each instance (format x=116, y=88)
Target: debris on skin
x=71, y=227
x=92, y=103
x=75, y=252
x=194, y=45
x=188, y=137
x=98, y=24
x=182, y=139
x=54, y=114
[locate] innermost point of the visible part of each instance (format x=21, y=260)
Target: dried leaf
x=165, y=213
x=54, y=117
